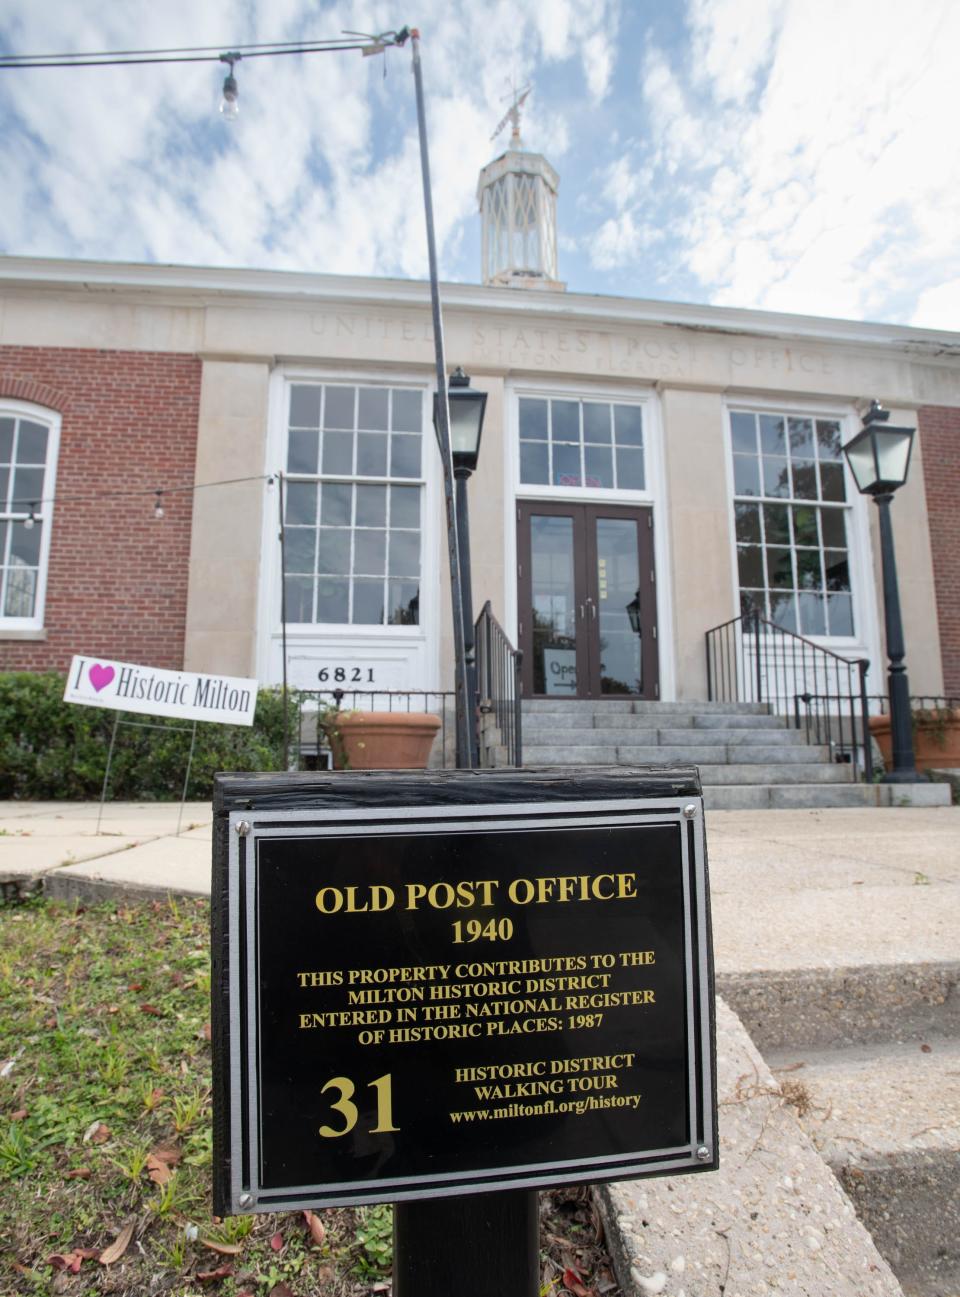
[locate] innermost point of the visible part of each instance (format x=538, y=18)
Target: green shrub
x=53, y=750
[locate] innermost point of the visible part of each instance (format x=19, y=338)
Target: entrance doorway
x=587, y=603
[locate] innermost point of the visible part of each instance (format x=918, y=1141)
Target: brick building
x=648, y=471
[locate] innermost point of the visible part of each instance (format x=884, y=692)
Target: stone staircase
x=748, y=758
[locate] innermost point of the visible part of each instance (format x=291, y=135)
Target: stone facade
x=166, y=377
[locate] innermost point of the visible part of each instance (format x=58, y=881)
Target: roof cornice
x=204, y=286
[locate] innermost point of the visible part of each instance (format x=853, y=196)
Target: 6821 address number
x=345, y=675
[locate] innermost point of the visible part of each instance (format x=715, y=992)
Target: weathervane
x=512, y=115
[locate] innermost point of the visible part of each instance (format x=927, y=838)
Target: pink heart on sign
x=100, y=676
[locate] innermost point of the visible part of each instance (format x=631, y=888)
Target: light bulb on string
x=30, y=522
x=158, y=510
x=230, y=103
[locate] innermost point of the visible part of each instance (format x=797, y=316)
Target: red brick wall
x=117, y=580
x=940, y=437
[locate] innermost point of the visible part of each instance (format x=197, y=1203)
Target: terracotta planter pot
x=936, y=743
x=384, y=740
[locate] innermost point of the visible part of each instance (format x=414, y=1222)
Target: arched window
x=29, y=437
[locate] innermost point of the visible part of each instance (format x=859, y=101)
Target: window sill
x=14, y=633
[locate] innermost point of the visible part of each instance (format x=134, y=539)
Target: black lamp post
x=467, y=408
x=879, y=459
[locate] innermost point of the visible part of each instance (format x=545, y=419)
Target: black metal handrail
x=313, y=746
x=752, y=660
x=498, y=684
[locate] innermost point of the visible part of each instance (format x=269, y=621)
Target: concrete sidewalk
x=790, y=889
x=135, y=848
x=836, y=941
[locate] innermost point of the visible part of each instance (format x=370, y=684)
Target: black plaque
x=434, y=985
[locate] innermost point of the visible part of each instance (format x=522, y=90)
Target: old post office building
x=648, y=472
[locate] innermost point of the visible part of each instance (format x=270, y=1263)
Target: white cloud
x=620, y=241
x=321, y=171
x=799, y=154
x=939, y=307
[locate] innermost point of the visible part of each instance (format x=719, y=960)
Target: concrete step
x=747, y=721
x=886, y=1119
x=638, y=733
x=800, y=796
x=778, y=772
x=631, y=754
x=731, y=735
x=641, y=706
x=837, y=1008
x=772, y=1220
x=542, y=735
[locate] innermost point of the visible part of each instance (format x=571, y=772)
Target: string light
x=88, y=497
x=158, y=506
x=229, y=104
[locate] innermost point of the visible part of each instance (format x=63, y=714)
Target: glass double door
x=587, y=601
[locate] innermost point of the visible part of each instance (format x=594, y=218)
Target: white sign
x=560, y=670
x=125, y=687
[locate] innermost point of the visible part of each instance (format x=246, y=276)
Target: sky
x=790, y=155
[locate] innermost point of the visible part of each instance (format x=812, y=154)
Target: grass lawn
x=105, y=1141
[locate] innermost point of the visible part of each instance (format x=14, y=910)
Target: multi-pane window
x=792, y=521
x=353, y=505
x=24, y=513
x=573, y=443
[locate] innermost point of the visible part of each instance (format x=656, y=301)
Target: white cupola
x=517, y=194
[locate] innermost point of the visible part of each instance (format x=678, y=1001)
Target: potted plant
x=362, y=740
x=936, y=738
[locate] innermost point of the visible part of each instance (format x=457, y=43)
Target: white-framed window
x=793, y=521
x=29, y=438
x=572, y=443
x=354, y=504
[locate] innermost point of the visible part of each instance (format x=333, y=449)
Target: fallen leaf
x=160, y=1172
x=926, y=1049
x=225, y=1249
x=113, y=1008
x=152, y=1010
x=277, y=1241
x=214, y=1276
x=71, y=1261
x=119, y=1245
x=168, y=1153
x=18, y=1115
x=281, y=1290
x=206, y=1031
x=316, y=1227
x=96, y=1133
x=135, y=986
x=571, y=1280
x=79, y=1173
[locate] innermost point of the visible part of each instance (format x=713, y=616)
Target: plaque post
x=473, y=1246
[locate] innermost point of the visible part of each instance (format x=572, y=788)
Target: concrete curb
x=834, y=1007
x=773, y=1219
